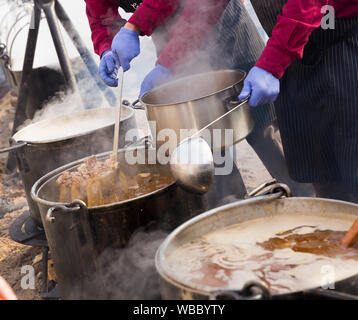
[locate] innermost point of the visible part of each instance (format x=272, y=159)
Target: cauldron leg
x=20, y=115
x=48, y=6
x=45, y=269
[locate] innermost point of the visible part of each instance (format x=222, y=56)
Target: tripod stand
x=53, y=12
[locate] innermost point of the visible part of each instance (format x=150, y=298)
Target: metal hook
x=252, y=290
x=275, y=187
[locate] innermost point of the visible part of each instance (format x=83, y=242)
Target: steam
x=64, y=102
x=131, y=273
x=128, y=273
x=61, y=104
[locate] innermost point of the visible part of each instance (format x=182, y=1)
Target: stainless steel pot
x=78, y=235
x=195, y=101
x=259, y=207
x=41, y=148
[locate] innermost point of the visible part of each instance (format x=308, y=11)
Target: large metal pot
x=238, y=212
x=195, y=101
x=38, y=154
x=77, y=235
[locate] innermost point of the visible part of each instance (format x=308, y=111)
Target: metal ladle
x=192, y=162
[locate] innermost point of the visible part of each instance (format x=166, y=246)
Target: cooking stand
x=25, y=231
x=53, y=12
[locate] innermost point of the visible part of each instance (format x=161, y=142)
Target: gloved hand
x=156, y=77
x=108, y=70
x=125, y=47
x=262, y=85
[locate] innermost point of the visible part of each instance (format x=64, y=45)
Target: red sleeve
x=298, y=20
x=152, y=13
x=193, y=27
x=104, y=21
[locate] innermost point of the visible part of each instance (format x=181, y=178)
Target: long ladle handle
x=224, y=115
x=118, y=114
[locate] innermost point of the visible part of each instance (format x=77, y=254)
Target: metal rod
x=48, y=7
x=20, y=115
x=223, y=116
x=84, y=52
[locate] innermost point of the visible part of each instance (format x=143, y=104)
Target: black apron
x=267, y=12
x=317, y=108
x=129, y=5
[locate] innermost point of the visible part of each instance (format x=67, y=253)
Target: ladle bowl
x=192, y=165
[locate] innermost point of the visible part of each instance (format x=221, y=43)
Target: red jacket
x=298, y=20
x=185, y=35
x=294, y=26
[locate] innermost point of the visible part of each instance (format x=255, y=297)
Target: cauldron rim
x=239, y=72
x=70, y=137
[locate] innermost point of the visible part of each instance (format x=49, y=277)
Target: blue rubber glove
x=156, y=77
x=262, y=85
x=125, y=47
x=108, y=70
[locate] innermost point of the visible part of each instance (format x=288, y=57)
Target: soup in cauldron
x=287, y=252
x=103, y=182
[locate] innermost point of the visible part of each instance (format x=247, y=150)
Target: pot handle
x=145, y=141
x=18, y=145
x=80, y=233
x=252, y=290
x=77, y=210
x=74, y=206
x=232, y=102
x=137, y=107
x=275, y=187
